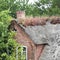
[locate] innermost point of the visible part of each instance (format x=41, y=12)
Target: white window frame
x=21, y=52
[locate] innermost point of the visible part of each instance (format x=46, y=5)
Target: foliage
x=48, y=7
x=40, y=7
x=7, y=42
x=13, y=5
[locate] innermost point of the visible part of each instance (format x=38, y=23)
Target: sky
x=32, y=1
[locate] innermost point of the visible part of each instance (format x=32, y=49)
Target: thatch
x=31, y=21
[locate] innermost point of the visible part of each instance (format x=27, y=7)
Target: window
x=21, y=53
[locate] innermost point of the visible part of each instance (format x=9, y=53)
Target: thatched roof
x=41, y=29
x=43, y=34
x=31, y=21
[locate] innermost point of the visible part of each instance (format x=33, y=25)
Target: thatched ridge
x=31, y=21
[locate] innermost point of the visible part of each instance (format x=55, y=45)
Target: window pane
x=22, y=54
x=24, y=48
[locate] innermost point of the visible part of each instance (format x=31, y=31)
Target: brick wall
x=38, y=51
